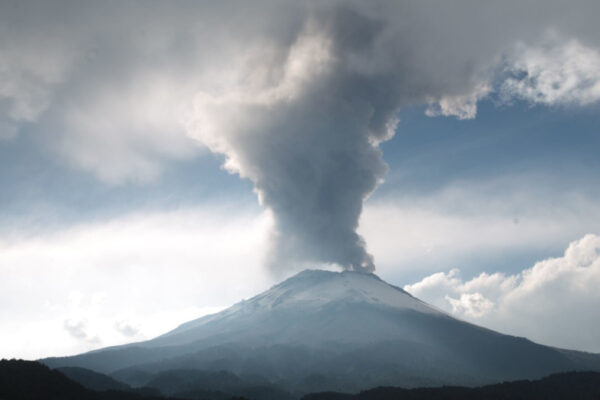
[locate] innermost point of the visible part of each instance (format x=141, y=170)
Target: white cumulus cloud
x=561, y=72
x=554, y=302
x=462, y=106
x=471, y=304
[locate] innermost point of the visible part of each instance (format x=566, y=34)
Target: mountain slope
x=92, y=380
x=346, y=331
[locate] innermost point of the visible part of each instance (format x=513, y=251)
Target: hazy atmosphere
x=160, y=161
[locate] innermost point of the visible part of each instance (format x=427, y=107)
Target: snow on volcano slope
x=315, y=288
x=314, y=298
x=345, y=331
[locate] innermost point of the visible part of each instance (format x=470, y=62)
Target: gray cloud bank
x=296, y=96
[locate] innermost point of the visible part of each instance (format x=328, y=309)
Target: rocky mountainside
x=345, y=331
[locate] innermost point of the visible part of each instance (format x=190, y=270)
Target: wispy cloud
x=78, y=330
x=126, y=328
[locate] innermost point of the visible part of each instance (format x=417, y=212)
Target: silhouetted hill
x=570, y=385
x=214, y=385
x=30, y=380
x=173, y=381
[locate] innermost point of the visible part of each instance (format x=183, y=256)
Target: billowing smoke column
x=303, y=119
x=296, y=95
x=309, y=100
x=305, y=130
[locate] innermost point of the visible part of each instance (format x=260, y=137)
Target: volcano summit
x=344, y=331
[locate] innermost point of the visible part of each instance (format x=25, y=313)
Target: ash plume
x=308, y=108
x=297, y=96
x=307, y=136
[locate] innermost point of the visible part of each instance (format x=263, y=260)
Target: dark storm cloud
x=296, y=96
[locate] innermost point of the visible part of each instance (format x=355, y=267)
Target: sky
x=162, y=161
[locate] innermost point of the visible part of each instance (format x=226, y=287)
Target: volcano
x=343, y=331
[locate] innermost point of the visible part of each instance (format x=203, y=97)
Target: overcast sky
x=160, y=161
